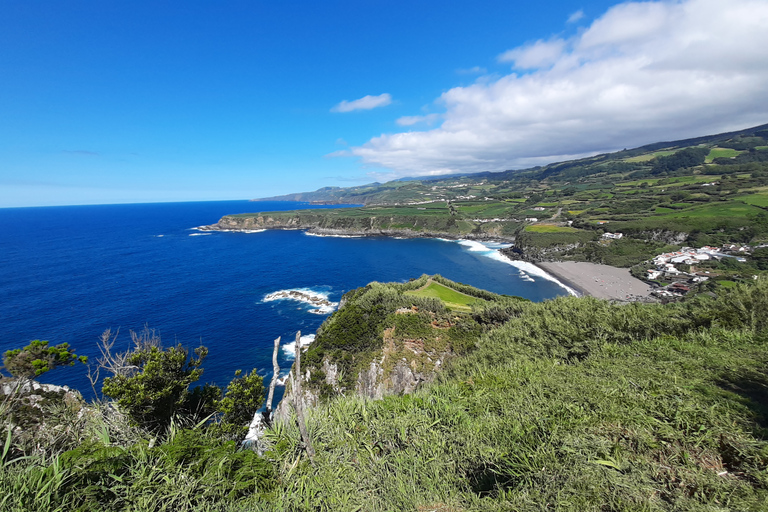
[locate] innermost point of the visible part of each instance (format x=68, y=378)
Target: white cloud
x=429, y=119
x=536, y=55
x=641, y=73
x=475, y=70
x=365, y=103
x=573, y=18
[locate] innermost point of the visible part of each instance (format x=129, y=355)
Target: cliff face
x=385, y=339
x=332, y=222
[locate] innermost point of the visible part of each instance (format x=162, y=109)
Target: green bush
x=157, y=389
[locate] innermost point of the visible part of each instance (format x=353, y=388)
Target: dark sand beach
x=601, y=281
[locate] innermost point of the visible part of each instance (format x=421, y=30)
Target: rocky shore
x=320, y=302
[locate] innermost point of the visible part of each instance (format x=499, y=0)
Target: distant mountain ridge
x=397, y=191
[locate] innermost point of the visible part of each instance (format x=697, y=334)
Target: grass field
x=549, y=228
x=721, y=153
x=450, y=297
x=636, y=183
x=729, y=210
x=650, y=156
x=756, y=200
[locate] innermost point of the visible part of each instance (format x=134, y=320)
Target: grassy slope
x=450, y=297
x=572, y=404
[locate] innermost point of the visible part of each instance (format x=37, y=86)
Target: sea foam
x=289, y=349
x=331, y=235
x=322, y=305
x=491, y=250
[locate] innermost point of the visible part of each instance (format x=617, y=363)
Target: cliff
x=369, y=222
x=392, y=338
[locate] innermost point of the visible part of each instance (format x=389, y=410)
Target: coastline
x=578, y=278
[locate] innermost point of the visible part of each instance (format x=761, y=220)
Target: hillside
x=730, y=148
x=570, y=404
x=392, y=338
x=709, y=190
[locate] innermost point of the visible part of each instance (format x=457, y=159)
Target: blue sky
x=106, y=102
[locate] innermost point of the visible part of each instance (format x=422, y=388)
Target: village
x=677, y=272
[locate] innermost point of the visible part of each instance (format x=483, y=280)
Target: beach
x=601, y=281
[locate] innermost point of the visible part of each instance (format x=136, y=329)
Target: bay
x=69, y=273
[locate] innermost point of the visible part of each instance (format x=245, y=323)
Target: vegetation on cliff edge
x=571, y=404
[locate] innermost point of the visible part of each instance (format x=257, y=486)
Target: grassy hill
x=573, y=404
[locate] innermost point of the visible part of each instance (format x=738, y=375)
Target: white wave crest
x=200, y=234
x=531, y=269
x=322, y=305
x=490, y=250
x=289, y=349
x=332, y=236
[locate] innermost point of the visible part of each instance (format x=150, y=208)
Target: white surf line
x=332, y=236
x=526, y=269
x=531, y=269
x=211, y=231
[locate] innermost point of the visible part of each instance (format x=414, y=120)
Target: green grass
x=450, y=297
x=566, y=405
x=549, y=228
x=650, y=156
x=730, y=209
x=721, y=153
x=755, y=200
x=637, y=183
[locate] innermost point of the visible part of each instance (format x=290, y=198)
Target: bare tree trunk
x=297, y=401
x=275, y=377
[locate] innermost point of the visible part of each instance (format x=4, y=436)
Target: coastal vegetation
x=569, y=404
x=432, y=395
x=709, y=190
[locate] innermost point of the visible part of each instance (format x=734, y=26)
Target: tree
x=155, y=387
x=243, y=397
x=38, y=358
x=152, y=384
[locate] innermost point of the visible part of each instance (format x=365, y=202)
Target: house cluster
x=665, y=267
x=612, y=236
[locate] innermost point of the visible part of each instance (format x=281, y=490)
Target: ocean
x=68, y=273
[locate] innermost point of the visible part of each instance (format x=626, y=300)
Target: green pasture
x=755, y=199
x=721, y=153
x=650, y=156
x=450, y=297
x=730, y=210
x=637, y=183
x=708, y=218
x=549, y=228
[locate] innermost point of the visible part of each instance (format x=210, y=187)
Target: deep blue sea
x=68, y=273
